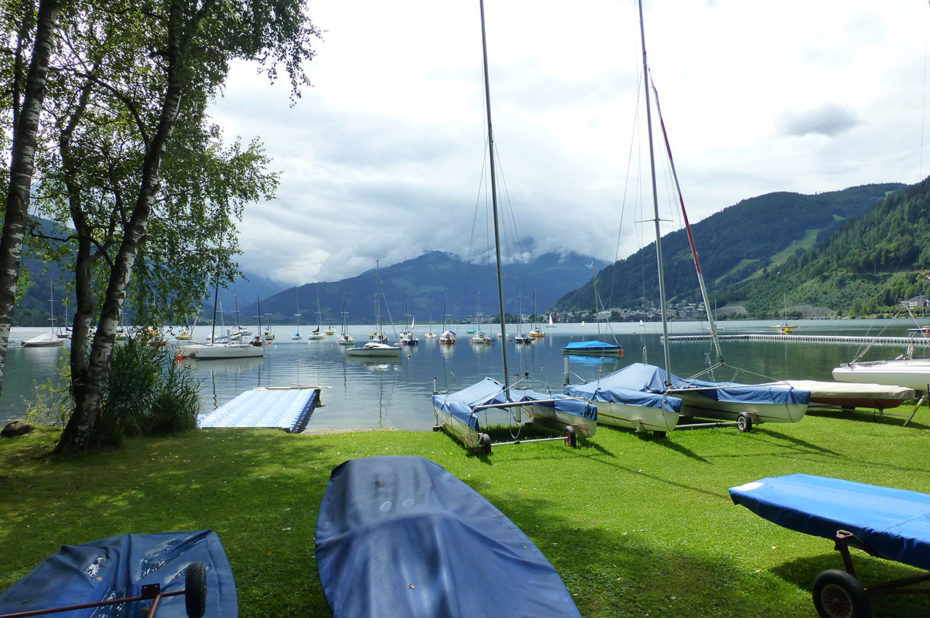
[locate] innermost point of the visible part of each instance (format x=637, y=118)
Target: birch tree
x=26, y=102
x=151, y=66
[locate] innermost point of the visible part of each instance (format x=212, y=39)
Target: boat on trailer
x=884, y=522
x=401, y=536
x=464, y=413
x=459, y=412
x=908, y=372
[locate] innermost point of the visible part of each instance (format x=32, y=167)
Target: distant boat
x=593, y=348
x=51, y=338
x=344, y=337
x=214, y=350
x=379, y=347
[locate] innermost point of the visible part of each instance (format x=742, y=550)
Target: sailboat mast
x=655, y=198
x=694, y=251
x=497, y=238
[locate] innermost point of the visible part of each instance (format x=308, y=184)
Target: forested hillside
x=867, y=267
x=736, y=245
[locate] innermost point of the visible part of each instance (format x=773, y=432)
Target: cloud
x=829, y=119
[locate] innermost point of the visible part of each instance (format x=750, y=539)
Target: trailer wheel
x=570, y=438
x=744, y=422
x=837, y=594
x=485, y=443
x=195, y=590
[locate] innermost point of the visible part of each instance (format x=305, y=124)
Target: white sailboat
x=296, y=336
x=378, y=347
x=215, y=350
x=317, y=334
x=51, y=338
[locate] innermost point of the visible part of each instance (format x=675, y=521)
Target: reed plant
x=636, y=526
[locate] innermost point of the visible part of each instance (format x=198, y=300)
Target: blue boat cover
x=119, y=566
x=893, y=523
x=400, y=536
x=589, y=346
x=562, y=403
x=651, y=379
x=461, y=404
x=619, y=387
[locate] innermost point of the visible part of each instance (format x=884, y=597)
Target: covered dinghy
x=119, y=566
x=628, y=398
x=400, y=536
x=773, y=402
x=459, y=412
x=892, y=523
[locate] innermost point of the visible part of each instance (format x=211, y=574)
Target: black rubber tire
x=195, y=590
x=837, y=594
x=484, y=441
x=570, y=438
x=744, y=422
x=659, y=434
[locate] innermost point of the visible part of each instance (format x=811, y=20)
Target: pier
x=793, y=338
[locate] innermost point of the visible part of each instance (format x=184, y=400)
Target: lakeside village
x=695, y=311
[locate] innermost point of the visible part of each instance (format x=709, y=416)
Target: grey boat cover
x=400, y=536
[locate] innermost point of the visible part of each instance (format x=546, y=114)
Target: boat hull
x=638, y=418
x=220, y=351
x=909, y=373
x=698, y=405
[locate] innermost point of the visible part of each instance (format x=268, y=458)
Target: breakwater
x=794, y=338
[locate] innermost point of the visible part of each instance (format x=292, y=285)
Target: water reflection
x=395, y=392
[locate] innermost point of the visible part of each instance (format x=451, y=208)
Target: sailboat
x=344, y=337
x=459, y=412
x=429, y=333
x=51, y=338
x=478, y=336
x=447, y=337
x=669, y=396
x=378, y=346
x=219, y=350
x=594, y=347
x=536, y=332
x=408, y=337
x=296, y=336
x=317, y=333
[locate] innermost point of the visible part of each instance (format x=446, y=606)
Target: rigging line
x=623, y=202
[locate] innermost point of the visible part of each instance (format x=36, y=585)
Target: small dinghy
x=400, y=536
x=170, y=574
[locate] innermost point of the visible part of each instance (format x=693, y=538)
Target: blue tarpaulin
x=631, y=385
x=559, y=402
x=894, y=523
x=400, y=536
x=652, y=379
x=119, y=566
x=588, y=347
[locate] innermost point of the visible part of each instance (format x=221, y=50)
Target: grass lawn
x=636, y=526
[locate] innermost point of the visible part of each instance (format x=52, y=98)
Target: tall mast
x=655, y=198
x=497, y=238
x=694, y=251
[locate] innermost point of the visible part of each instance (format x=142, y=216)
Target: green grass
x=636, y=526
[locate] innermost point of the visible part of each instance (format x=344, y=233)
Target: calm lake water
x=396, y=393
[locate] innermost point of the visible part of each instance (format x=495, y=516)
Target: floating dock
x=288, y=408
x=794, y=338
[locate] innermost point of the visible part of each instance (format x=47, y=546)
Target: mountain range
x=856, y=251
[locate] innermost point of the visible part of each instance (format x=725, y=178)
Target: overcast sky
x=383, y=158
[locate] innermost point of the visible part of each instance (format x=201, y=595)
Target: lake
x=380, y=393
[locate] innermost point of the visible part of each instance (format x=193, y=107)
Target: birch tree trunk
x=22, y=165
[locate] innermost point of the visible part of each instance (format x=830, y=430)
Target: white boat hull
x=697, y=405
x=639, y=418
x=375, y=350
x=909, y=373
x=45, y=340
x=220, y=351
x=853, y=394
